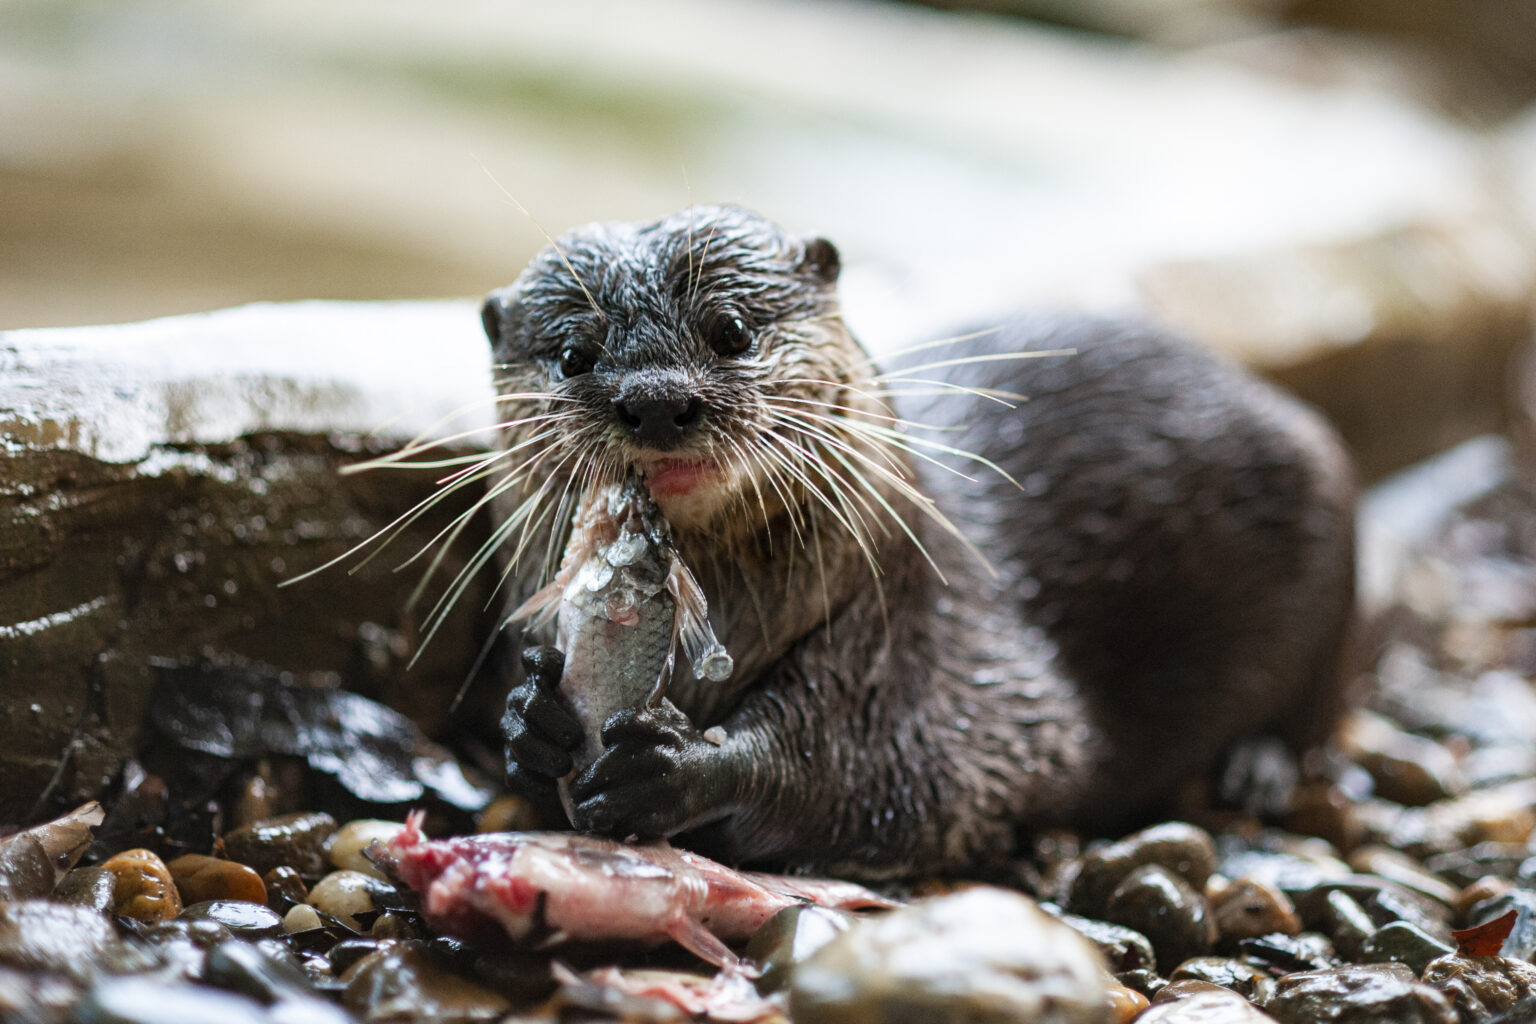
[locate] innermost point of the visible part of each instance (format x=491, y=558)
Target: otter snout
x=658, y=411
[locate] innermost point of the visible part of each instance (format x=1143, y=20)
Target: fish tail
x=705, y=653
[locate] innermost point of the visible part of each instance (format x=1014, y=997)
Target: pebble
x=138, y=1000
x=1486, y=888
x=1356, y=995
x=301, y=918
x=1248, y=908
x=1124, y=949
x=393, y=926
x=1481, y=987
x=1407, y=769
x=1384, y=901
x=1346, y=923
x=509, y=813
x=36, y=935
x=1182, y=849
x=1206, y=1006
x=346, y=846
x=294, y=840
x=1387, y=863
x=1244, y=979
x=1283, y=954
x=1288, y=872
x=344, y=894
x=1126, y=1004
x=1521, y=943
x=348, y=952
x=242, y=917
x=790, y=937
x=285, y=887
x=400, y=983
x=263, y=971
x=1400, y=942
x=979, y=956
x=1167, y=910
x=1463, y=867
x=142, y=887
x=1324, y=809
x=88, y=887
x=199, y=878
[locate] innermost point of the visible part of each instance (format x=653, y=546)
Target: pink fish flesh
x=539, y=888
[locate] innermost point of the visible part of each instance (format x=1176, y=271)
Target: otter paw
x=657, y=776
x=540, y=733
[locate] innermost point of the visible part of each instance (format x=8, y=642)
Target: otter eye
x=728, y=335
x=574, y=362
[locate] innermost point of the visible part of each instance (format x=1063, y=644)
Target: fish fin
x=540, y=605
x=706, y=655
x=552, y=940
x=702, y=943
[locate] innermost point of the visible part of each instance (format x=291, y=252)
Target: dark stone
x=1162, y=906
x=292, y=840
x=788, y=938
x=1361, y=994
x=87, y=887
x=1285, y=954
x=1482, y=986
x=146, y=1001
x=1347, y=924
x=247, y=920
x=1125, y=949
x=36, y=935
x=1244, y=979
x=1182, y=849
x=1400, y=942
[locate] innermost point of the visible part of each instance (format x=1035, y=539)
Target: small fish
x=622, y=602
x=542, y=888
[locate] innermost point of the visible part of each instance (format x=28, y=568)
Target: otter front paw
x=540, y=733
x=657, y=776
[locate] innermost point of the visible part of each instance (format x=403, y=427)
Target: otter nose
x=659, y=422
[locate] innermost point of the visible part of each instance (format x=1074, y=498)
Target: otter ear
x=490, y=316
x=821, y=260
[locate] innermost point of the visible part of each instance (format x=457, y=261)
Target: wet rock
x=977, y=956
x=1402, y=869
x=34, y=860
x=1288, y=872
x=1124, y=949
x=348, y=952
x=243, y=918
x=346, y=846
x=400, y=983
x=790, y=937
x=1247, y=908
x=1126, y=1004
x=1244, y=979
x=1521, y=942
x=1407, y=769
x=1167, y=910
x=1463, y=867
x=32, y=997
x=1486, y=888
x=36, y=935
x=1383, y=900
x=1326, y=810
x=1402, y=943
x=302, y=918
x=1346, y=923
x=199, y=878
x=1481, y=987
x=1182, y=849
x=1148, y=982
x=285, y=887
x=344, y=895
x=1285, y=954
x=393, y=926
x=142, y=887
x=1206, y=1006
x=1362, y=993
x=292, y=840
x=88, y=887
x=263, y=971
x=510, y=813
x=1502, y=814
x=143, y=1001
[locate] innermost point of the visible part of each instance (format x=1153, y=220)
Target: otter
x=1035, y=576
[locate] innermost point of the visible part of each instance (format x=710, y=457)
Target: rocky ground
x=227, y=876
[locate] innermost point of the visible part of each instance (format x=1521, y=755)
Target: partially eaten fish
x=542, y=888
x=623, y=602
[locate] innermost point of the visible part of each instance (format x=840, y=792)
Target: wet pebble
x=1387, y=863
x=242, y=917
x=401, y=983
x=1463, y=867
x=302, y=918
x=1124, y=949
x=1286, y=871
x=790, y=937
x=1205, y=1006
x=1167, y=910
x=343, y=895
x=1247, y=908
x=1383, y=900
x=1407, y=769
x=1482, y=987
x=348, y=952
x=36, y=935
x=33, y=997
x=1182, y=849
x=1244, y=979
x=1521, y=943
x=509, y=813
x=131, y=1000
x=1400, y=942
x=1486, y=888
x=977, y=956
x=142, y=887
x=1126, y=1004
x=393, y=926
x=346, y=846
x=1358, y=994
x=88, y=887
x=1346, y=923
x=1284, y=954
x=294, y=840
x=199, y=878
x=285, y=887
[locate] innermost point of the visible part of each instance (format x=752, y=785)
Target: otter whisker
x=988, y=357
x=923, y=346
x=1008, y=399
x=790, y=460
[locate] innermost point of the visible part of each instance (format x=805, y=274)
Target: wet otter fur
x=1146, y=561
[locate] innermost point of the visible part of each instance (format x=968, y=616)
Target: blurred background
x=1319, y=186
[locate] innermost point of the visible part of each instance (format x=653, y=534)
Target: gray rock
x=1482, y=986
x=36, y=935
x=1183, y=849
x=978, y=956
x=1402, y=943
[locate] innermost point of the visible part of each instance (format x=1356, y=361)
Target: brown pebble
x=1394, y=866
x=510, y=813
x=1248, y=908
x=285, y=887
x=1125, y=1003
x=1324, y=810
x=1186, y=987
x=1203, y=1005
x=294, y=840
x=143, y=889
x=1488, y=887
x=200, y=879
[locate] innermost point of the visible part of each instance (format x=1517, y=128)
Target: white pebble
x=346, y=847
x=342, y=894
x=301, y=917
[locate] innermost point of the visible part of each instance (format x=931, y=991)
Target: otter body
x=1148, y=560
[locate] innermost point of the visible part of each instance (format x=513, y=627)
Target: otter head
x=699, y=350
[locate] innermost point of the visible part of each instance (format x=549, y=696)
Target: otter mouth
x=675, y=478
